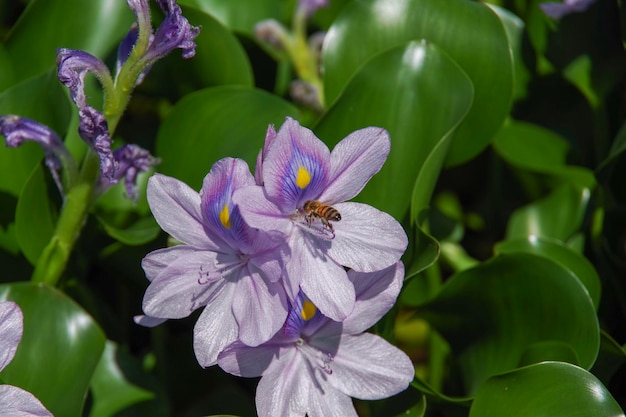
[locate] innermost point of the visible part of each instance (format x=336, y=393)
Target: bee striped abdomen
x=324, y=212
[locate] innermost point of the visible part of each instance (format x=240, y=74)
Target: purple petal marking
x=354, y=161
x=296, y=167
x=18, y=129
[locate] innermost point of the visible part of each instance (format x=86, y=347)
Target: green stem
x=54, y=258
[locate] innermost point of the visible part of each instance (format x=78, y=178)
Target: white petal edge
x=11, y=327
x=16, y=402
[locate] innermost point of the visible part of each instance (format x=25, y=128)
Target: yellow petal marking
x=225, y=217
x=303, y=178
x=308, y=310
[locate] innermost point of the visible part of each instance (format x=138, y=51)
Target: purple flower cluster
x=288, y=272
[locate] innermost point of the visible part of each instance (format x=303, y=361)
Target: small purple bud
x=18, y=129
x=131, y=161
x=272, y=33
x=308, y=7
x=141, y=8
x=93, y=129
x=558, y=10
x=306, y=94
x=174, y=32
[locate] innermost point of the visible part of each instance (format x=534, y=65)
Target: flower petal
x=354, y=161
x=216, y=328
x=329, y=403
x=260, y=309
x=16, y=402
x=296, y=167
x=376, y=293
x=366, y=239
x=322, y=280
x=182, y=286
x=154, y=263
x=369, y=368
x=176, y=207
x=11, y=327
x=259, y=212
x=285, y=390
x=242, y=360
x=148, y=321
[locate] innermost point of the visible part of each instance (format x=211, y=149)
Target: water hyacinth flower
x=314, y=365
x=15, y=401
x=223, y=265
x=558, y=10
x=18, y=129
x=297, y=169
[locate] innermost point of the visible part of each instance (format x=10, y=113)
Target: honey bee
x=315, y=209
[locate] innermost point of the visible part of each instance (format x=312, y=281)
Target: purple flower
x=223, y=264
x=131, y=160
x=73, y=67
x=314, y=365
x=308, y=7
x=299, y=169
x=558, y=10
x=15, y=401
x=18, y=129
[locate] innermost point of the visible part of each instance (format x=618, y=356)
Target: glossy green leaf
x=59, y=351
x=219, y=60
x=138, y=232
x=419, y=95
x=556, y=251
x=241, y=15
x=43, y=100
x=545, y=389
x=498, y=314
x=536, y=149
x=34, y=220
x=96, y=26
x=469, y=32
x=112, y=392
x=214, y=123
x=558, y=215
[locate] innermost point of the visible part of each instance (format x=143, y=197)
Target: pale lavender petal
x=260, y=309
x=366, y=239
x=11, y=326
x=271, y=254
x=160, y=259
x=285, y=390
x=558, y=10
x=183, y=286
x=16, y=402
x=148, y=321
x=176, y=207
x=259, y=212
x=270, y=135
x=296, y=166
x=215, y=329
x=322, y=280
x=308, y=7
x=330, y=403
x=354, y=161
x=376, y=293
x=241, y=360
x=369, y=368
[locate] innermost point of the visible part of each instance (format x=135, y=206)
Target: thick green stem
x=56, y=254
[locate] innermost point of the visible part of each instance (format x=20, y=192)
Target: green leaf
x=95, y=26
x=214, y=123
x=419, y=95
x=43, y=100
x=241, y=15
x=112, y=392
x=557, y=216
x=611, y=357
x=469, y=32
x=34, y=222
x=536, y=149
x=545, y=389
x=59, y=351
x=139, y=232
x=219, y=60
x=499, y=314
x=556, y=251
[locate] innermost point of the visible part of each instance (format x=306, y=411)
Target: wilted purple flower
x=223, y=264
x=131, y=160
x=18, y=129
x=298, y=172
x=558, y=10
x=14, y=401
x=314, y=365
x=308, y=7
x=73, y=66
